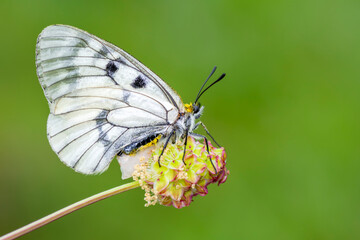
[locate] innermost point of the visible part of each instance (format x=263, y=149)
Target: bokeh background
x=287, y=113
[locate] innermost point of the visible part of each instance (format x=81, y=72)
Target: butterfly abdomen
x=141, y=144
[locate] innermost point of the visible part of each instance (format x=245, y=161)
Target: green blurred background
x=287, y=114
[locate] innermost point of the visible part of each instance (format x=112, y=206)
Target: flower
x=175, y=183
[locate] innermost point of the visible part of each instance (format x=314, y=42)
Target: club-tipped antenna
x=218, y=80
x=212, y=72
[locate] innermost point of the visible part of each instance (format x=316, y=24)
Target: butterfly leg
x=207, y=131
x=165, y=145
x=186, y=136
x=173, y=139
x=196, y=135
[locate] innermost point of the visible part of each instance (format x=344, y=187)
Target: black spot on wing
x=111, y=68
x=139, y=82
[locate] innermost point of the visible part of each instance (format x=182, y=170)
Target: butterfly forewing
x=101, y=99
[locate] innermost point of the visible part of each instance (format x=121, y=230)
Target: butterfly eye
x=196, y=107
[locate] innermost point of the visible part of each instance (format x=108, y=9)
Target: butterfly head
x=194, y=109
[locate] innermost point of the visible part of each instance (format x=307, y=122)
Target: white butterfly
x=103, y=102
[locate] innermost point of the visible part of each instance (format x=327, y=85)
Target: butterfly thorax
x=187, y=119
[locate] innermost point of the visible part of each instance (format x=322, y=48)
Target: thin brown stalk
x=69, y=209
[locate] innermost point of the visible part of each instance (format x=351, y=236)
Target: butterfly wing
x=101, y=98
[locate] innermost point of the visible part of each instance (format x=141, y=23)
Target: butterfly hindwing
x=101, y=99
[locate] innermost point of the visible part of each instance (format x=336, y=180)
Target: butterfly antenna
x=212, y=72
x=218, y=80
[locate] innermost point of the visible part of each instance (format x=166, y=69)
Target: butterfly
x=105, y=103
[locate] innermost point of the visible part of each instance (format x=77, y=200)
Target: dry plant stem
x=69, y=209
